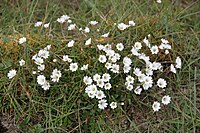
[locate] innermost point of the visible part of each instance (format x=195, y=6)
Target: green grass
x=66, y=108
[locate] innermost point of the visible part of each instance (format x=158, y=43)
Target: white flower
x=107, y=86
x=178, y=62
x=87, y=30
x=54, y=60
x=84, y=67
x=149, y=72
x=108, y=65
x=166, y=100
x=117, y=56
x=65, y=17
x=34, y=57
x=61, y=20
x=158, y=1
x=91, y=95
x=100, y=83
x=46, y=25
x=100, y=47
x=96, y=77
x=130, y=79
x=138, y=45
x=102, y=58
x=102, y=104
x=66, y=58
x=146, y=86
x=48, y=47
x=146, y=41
x=172, y=68
x=113, y=59
x=126, y=69
x=156, y=106
x=37, y=24
x=43, y=53
x=131, y=23
x=69, y=60
x=70, y=43
x=41, y=79
x=166, y=52
x=12, y=73
x=154, y=49
x=56, y=74
x=148, y=80
x=127, y=83
x=73, y=67
x=107, y=47
x=120, y=46
x=113, y=105
x=22, y=62
x=41, y=67
x=106, y=77
x=137, y=71
x=93, y=22
x=156, y=66
x=22, y=40
x=115, y=68
x=69, y=21
x=167, y=46
x=80, y=29
x=164, y=41
x=161, y=46
x=110, y=53
x=144, y=57
x=164, y=44
x=33, y=72
x=39, y=61
x=71, y=26
x=141, y=77
x=129, y=87
x=138, y=90
x=134, y=51
x=88, y=42
x=88, y=89
x=46, y=86
x=161, y=83
x=105, y=35
x=87, y=80
x=122, y=26
x=127, y=61
x=100, y=94
x=91, y=89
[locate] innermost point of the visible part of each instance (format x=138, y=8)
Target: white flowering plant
x=74, y=72
x=115, y=66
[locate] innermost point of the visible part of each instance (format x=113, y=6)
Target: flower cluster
x=123, y=26
x=63, y=19
x=94, y=88
x=39, y=23
x=131, y=61
x=137, y=78
x=39, y=59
